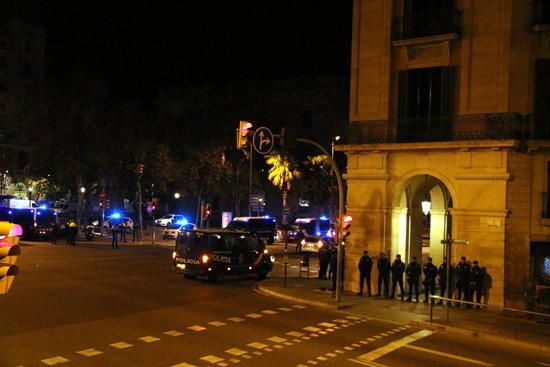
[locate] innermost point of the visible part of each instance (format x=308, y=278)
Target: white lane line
x=365, y=363
x=149, y=339
x=278, y=346
x=341, y=321
x=311, y=328
x=268, y=350
x=269, y=312
x=121, y=345
x=300, y=307
x=332, y=355
x=55, y=360
x=223, y=364
x=196, y=328
x=253, y=315
x=377, y=353
x=89, y=352
x=353, y=318
x=314, y=335
x=295, y=333
x=184, y=365
x=313, y=363
x=211, y=359
x=236, y=352
x=355, y=345
x=173, y=333
x=285, y=309
x=234, y=360
x=276, y=339
x=235, y=319
x=321, y=358
x=217, y=323
x=257, y=345
x=448, y=355
x=326, y=324
x=258, y=353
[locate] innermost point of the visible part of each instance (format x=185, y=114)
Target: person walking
x=397, y=270
x=54, y=231
x=73, y=231
x=430, y=273
x=442, y=278
x=365, y=267
x=412, y=273
x=114, y=236
x=383, y=265
x=122, y=231
x=475, y=286
x=324, y=259
x=461, y=272
x=135, y=232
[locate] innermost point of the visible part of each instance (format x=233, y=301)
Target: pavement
x=90, y=305
x=485, y=324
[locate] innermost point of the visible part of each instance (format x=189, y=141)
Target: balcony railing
x=432, y=23
x=453, y=128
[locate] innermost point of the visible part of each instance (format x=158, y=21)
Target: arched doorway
x=418, y=232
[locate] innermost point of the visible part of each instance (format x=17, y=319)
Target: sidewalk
x=489, y=325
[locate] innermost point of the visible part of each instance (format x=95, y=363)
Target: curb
x=475, y=334
x=258, y=288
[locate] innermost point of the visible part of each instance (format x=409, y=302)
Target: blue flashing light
x=55, y=213
x=115, y=215
x=182, y=221
x=38, y=213
x=318, y=233
x=43, y=207
x=10, y=212
x=323, y=217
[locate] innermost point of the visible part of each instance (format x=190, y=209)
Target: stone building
x=450, y=104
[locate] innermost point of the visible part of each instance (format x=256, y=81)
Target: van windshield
x=194, y=241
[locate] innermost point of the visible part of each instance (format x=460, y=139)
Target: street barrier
x=514, y=311
x=9, y=250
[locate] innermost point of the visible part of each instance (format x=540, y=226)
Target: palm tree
x=317, y=187
x=281, y=174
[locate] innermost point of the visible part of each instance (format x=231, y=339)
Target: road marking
x=311, y=328
x=54, y=360
x=384, y=334
x=217, y=323
x=246, y=356
x=173, y=333
x=278, y=346
x=184, y=365
x=331, y=355
x=348, y=348
x=235, y=319
x=269, y=312
x=294, y=333
x=306, y=337
x=329, y=330
x=211, y=359
x=196, y=328
x=543, y=364
x=364, y=342
x=268, y=350
x=322, y=332
x=149, y=339
x=448, y=355
x=300, y=307
x=377, y=353
x=257, y=345
x=322, y=358
x=258, y=353
x=236, y=352
x=371, y=339
x=356, y=345
x=297, y=340
x=89, y=352
x=314, y=335
x=327, y=324
x=353, y=318
x=223, y=364
x=234, y=360
x=365, y=363
x=288, y=344
x=377, y=337
x=285, y=309
x=253, y=315
x=312, y=362
x=341, y=321
x=276, y=339
x=339, y=351
x=121, y=345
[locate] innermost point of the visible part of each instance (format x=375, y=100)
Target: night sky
x=140, y=45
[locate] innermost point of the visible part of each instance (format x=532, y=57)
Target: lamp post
x=336, y=138
x=29, y=194
x=177, y=196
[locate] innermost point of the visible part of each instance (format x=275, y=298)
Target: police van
x=213, y=253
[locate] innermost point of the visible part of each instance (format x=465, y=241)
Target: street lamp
x=427, y=202
x=336, y=138
x=29, y=190
x=177, y=195
x=83, y=190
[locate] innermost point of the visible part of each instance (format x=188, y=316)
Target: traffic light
x=100, y=204
x=243, y=132
x=139, y=169
x=108, y=204
x=9, y=250
x=346, y=224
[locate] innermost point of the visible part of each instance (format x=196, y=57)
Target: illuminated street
x=92, y=306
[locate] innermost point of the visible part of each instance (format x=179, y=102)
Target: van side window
x=255, y=244
x=218, y=244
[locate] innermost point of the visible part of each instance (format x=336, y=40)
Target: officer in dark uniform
x=430, y=272
x=397, y=270
x=475, y=285
x=324, y=259
x=54, y=231
x=365, y=267
x=442, y=275
x=461, y=273
x=114, y=236
x=384, y=267
x=412, y=273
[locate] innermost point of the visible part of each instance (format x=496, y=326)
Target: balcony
x=493, y=126
x=433, y=23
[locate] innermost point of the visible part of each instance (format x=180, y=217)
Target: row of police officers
x=468, y=278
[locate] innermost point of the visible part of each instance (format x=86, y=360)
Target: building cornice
x=504, y=177
x=440, y=145
x=366, y=177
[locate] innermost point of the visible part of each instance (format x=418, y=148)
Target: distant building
x=22, y=64
x=450, y=104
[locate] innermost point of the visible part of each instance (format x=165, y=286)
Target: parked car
x=261, y=227
x=171, y=232
x=168, y=220
x=313, y=244
x=109, y=222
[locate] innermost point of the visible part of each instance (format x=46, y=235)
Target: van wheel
x=262, y=274
x=189, y=276
x=216, y=276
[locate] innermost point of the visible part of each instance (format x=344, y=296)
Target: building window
x=307, y=119
x=542, y=99
x=424, y=18
x=3, y=62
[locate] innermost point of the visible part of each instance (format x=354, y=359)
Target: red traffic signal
x=243, y=132
x=346, y=224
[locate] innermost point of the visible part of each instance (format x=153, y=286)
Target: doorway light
x=427, y=202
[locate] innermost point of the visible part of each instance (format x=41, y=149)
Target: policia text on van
x=216, y=252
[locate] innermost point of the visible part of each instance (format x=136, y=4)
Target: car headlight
x=205, y=259
x=174, y=254
x=320, y=244
x=272, y=258
x=303, y=242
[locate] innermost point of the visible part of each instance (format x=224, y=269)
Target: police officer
x=475, y=285
x=461, y=273
x=412, y=273
x=397, y=269
x=54, y=231
x=442, y=276
x=383, y=266
x=135, y=232
x=365, y=267
x=122, y=231
x=324, y=259
x=430, y=272
x=114, y=236
x=72, y=232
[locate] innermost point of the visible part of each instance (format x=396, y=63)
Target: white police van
x=213, y=253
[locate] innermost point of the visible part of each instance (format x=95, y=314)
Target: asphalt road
x=92, y=306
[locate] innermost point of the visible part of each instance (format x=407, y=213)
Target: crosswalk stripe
x=448, y=355
x=89, y=352
x=55, y=360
